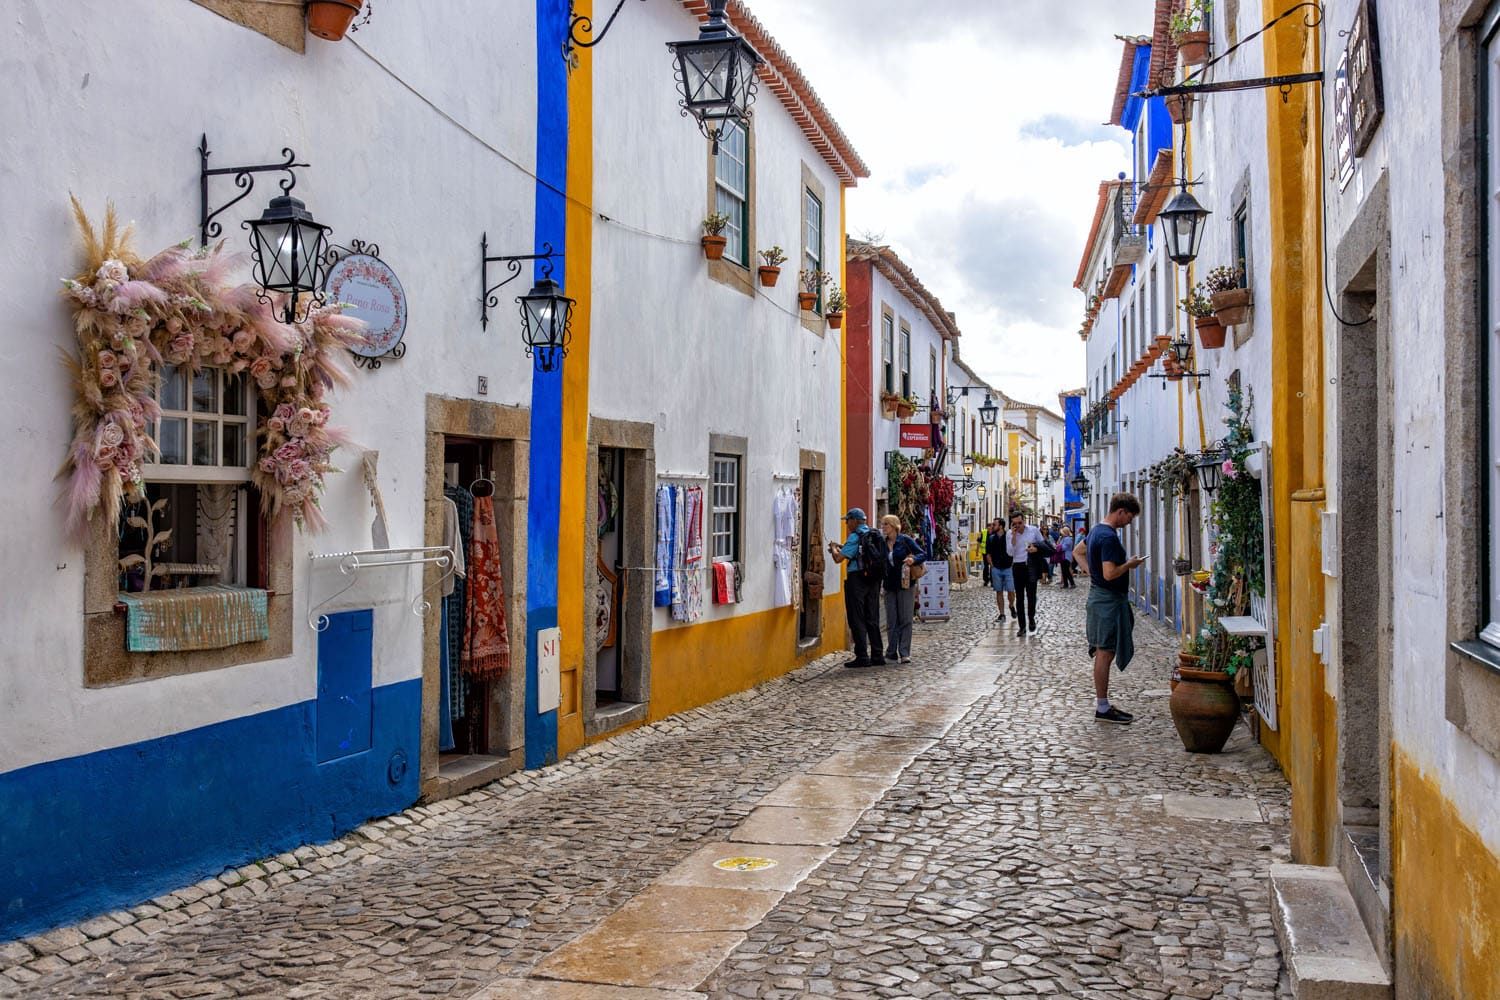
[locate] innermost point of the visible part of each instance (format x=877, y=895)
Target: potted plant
x=834, y=308
x=771, y=269
x=812, y=283
x=890, y=402
x=1197, y=305
x=1180, y=107
x=714, y=239
x=906, y=406
x=1230, y=298
x=1203, y=704
x=330, y=19
x=1188, y=27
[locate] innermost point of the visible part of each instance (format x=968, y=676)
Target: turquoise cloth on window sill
x=191, y=618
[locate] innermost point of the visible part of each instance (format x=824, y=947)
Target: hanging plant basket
x=905, y=409
x=1232, y=308
x=1210, y=333
x=330, y=19
x=713, y=247
x=1194, y=47
x=1180, y=108
x=768, y=276
x=835, y=320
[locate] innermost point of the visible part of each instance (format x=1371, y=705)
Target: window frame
x=904, y=360
x=735, y=489
x=812, y=248
x=191, y=472
x=736, y=251
x=887, y=351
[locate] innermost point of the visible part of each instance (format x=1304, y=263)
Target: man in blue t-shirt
x=1110, y=620
x=861, y=591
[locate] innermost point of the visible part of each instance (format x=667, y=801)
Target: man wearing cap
x=861, y=590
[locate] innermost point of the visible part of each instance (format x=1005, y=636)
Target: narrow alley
x=957, y=827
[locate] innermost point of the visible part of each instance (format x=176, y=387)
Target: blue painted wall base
x=89, y=834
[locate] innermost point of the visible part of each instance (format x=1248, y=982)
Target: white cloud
x=979, y=120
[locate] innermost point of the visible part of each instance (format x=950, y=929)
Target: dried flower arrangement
x=179, y=308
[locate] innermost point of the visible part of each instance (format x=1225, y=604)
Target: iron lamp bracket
x=489, y=300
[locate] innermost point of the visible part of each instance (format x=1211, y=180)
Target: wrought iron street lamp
x=546, y=323
x=289, y=248
x=1182, y=226
x=1211, y=469
x=1081, y=485
x=981, y=491
x=968, y=468
x=988, y=412
x=716, y=76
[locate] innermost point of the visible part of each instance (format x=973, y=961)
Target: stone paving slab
x=796, y=825
x=828, y=791
x=709, y=866
x=1026, y=852
x=695, y=908
x=864, y=764
x=616, y=955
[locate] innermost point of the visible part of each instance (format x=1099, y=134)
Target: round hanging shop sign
x=373, y=293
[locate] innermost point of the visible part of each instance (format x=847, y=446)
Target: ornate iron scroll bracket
x=244, y=179
x=489, y=300
x=580, y=28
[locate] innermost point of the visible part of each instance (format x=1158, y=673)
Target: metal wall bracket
x=244, y=179
x=489, y=300
x=580, y=27
x=351, y=563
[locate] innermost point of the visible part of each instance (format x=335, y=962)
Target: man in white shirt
x=1029, y=550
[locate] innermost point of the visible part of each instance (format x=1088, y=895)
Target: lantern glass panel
x=968, y=469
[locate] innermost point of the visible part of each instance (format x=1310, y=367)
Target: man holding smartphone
x=1110, y=620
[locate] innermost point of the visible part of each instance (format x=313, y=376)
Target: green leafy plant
x=773, y=257
x=1197, y=303
x=1238, y=531
x=836, y=300
x=1192, y=17
x=813, y=281
x=715, y=224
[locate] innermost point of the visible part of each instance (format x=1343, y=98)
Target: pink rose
x=243, y=339
x=237, y=366
x=287, y=452
x=108, y=359
x=109, y=378
x=276, y=424
x=111, y=434
x=286, y=411
x=299, y=469
x=260, y=368
x=288, y=381
x=298, y=428
x=266, y=465
x=174, y=325
x=104, y=455
x=1229, y=469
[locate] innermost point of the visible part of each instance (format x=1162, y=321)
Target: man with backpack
x=864, y=551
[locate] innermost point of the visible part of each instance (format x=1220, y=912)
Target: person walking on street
x=902, y=553
x=1064, y=558
x=997, y=564
x=1028, y=552
x=864, y=551
x=1109, y=621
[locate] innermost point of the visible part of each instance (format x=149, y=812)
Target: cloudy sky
x=980, y=121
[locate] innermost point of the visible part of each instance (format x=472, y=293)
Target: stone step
x=1323, y=939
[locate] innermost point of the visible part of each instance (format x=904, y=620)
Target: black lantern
x=988, y=412
x=546, y=323
x=1211, y=470
x=1081, y=485
x=980, y=491
x=716, y=76
x=1182, y=226
x=289, y=246
x=1183, y=349
x=968, y=468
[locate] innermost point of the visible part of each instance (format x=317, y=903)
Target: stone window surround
x=1472, y=668
x=736, y=447
x=725, y=271
x=106, y=662
x=813, y=322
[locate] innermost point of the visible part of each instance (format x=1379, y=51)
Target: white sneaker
x=1031, y=632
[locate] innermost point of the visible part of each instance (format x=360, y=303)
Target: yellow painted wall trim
x=1446, y=895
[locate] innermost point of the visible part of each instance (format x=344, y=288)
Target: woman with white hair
x=902, y=554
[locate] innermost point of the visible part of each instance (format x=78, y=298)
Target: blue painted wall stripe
x=544, y=499
x=109, y=829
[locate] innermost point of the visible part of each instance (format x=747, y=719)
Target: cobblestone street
x=958, y=827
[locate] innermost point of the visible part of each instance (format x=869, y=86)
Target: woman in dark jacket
x=900, y=602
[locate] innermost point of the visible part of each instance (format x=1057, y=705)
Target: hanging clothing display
x=445, y=702
x=687, y=554
x=665, y=506
x=486, y=651
x=455, y=603
x=783, y=544
x=726, y=583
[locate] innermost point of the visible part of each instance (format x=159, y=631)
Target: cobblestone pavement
x=1026, y=850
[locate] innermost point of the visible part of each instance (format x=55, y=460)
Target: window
x=932, y=374
x=1241, y=237
x=905, y=360
x=191, y=528
x=732, y=193
x=812, y=250
x=726, y=498
x=888, y=351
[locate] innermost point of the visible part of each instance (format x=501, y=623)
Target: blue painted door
x=345, y=674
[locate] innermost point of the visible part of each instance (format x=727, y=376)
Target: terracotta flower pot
x=1210, y=333
x=1204, y=709
x=904, y=410
x=835, y=320
x=713, y=247
x=768, y=275
x=1194, y=47
x=1232, y=308
x=330, y=19
x=1180, y=108
x=935, y=416
x=807, y=300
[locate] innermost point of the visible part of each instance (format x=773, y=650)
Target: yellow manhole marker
x=744, y=864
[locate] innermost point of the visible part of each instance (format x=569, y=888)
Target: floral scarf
x=486, y=649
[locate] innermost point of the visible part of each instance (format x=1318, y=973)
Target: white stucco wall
x=88, y=113
x=1406, y=149
x=677, y=349
x=924, y=338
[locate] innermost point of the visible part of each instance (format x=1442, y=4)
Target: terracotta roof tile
x=907, y=283
x=1106, y=191
x=1127, y=71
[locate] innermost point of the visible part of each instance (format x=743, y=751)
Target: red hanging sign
x=916, y=435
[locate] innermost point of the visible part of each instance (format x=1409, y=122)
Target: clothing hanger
x=483, y=486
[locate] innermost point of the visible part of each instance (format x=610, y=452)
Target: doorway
x=609, y=570
x=810, y=510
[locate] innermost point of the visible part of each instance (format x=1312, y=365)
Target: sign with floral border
x=370, y=291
